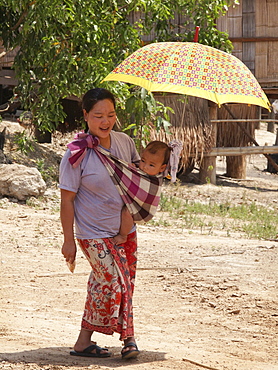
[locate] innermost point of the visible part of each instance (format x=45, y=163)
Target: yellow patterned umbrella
x=193, y=69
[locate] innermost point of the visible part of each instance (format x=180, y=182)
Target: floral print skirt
x=108, y=306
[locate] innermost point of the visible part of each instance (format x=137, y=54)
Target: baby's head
x=155, y=158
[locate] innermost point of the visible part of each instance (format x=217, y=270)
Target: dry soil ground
x=204, y=299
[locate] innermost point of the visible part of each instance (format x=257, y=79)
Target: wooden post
x=236, y=167
x=274, y=158
x=271, y=125
x=207, y=172
x=258, y=124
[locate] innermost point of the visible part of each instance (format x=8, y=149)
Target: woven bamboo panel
x=248, y=55
x=234, y=26
x=231, y=22
x=273, y=58
x=237, y=52
x=250, y=21
x=7, y=59
x=248, y=18
x=222, y=24
x=267, y=52
x=261, y=60
x=266, y=18
x=236, y=11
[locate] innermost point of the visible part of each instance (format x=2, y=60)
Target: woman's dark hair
x=91, y=97
x=156, y=146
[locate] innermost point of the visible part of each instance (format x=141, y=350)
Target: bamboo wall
x=253, y=29
x=232, y=24
x=267, y=52
x=6, y=58
x=177, y=22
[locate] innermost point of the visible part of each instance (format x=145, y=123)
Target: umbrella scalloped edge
x=176, y=89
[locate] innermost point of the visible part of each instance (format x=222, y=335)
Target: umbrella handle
x=196, y=36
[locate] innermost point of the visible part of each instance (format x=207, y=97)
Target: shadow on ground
x=59, y=356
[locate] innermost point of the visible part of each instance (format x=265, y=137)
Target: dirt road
x=203, y=299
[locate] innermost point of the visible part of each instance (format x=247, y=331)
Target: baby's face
x=151, y=163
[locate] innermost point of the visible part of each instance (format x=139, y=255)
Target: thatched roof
x=190, y=124
x=229, y=134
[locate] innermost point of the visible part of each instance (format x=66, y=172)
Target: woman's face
x=101, y=120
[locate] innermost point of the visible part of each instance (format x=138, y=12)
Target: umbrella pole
x=196, y=36
x=240, y=124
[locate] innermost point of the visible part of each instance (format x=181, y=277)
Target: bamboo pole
x=253, y=39
x=235, y=151
x=244, y=120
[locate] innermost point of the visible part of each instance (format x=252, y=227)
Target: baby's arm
x=126, y=225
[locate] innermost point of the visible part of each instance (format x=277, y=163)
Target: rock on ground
x=20, y=182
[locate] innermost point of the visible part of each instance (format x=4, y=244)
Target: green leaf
x=66, y=47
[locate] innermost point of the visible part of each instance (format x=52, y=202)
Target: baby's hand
x=120, y=239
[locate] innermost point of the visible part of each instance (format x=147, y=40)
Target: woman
x=91, y=203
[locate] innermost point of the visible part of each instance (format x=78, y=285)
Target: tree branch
x=23, y=15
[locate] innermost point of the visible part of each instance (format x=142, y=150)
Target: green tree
x=68, y=46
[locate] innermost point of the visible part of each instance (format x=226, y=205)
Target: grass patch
x=255, y=221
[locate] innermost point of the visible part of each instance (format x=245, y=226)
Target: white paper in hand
x=71, y=266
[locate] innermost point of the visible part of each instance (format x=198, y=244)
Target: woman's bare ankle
x=83, y=340
x=129, y=340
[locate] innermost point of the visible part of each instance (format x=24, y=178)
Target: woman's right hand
x=69, y=251
x=67, y=219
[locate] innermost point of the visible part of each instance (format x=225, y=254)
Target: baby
x=154, y=160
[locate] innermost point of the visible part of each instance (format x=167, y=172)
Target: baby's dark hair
x=155, y=146
x=91, y=97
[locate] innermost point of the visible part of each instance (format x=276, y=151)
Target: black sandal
x=132, y=353
x=87, y=352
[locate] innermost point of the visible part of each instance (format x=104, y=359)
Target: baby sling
x=139, y=191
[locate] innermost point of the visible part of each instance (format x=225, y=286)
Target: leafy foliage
x=149, y=114
x=69, y=46
x=49, y=174
x=24, y=143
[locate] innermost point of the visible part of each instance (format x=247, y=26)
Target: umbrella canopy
x=192, y=69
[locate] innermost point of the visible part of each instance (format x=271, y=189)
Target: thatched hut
x=190, y=123
x=230, y=134
x=253, y=29
x=193, y=124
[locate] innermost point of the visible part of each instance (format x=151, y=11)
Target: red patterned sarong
x=108, y=306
